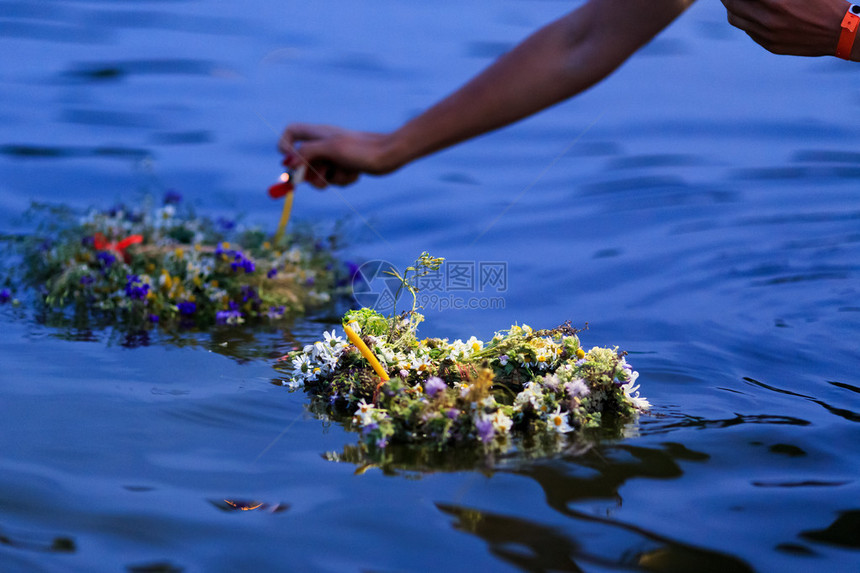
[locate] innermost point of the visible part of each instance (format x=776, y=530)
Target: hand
x=790, y=27
x=335, y=156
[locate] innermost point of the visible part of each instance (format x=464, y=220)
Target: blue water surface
x=699, y=209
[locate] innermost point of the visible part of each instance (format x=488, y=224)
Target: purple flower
x=136, y=289
x=241, y=262
x=106, y=259
x=276, y=312
x=434, y=385
x=87, y=280
x=225, y=224
x=153, y=318
x=186, y=307
x=576, y=388
x=232, y=316
x=369, y=428
x=272, y=273
x=485, y=428
x=172, y=197
x=249, y=293
x=352, y=271
x=5, y=295
x=453, y=413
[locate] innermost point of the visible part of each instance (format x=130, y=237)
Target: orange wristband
x=849, y=31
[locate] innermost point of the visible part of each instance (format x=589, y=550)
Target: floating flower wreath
x=399, y=389
x=163, y=264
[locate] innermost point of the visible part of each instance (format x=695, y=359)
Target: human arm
x=792, y=27
x=555, y=63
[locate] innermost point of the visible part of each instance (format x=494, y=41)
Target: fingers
x=333, y=155
x=753, y=29
x=741, y=8
x=328, y=174
x=300, y=132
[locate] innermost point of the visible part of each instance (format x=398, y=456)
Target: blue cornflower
x=186, y=307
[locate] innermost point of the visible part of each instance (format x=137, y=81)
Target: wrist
x=402, y=146
x=391, y=152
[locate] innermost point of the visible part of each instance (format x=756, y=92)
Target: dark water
x=700, y=209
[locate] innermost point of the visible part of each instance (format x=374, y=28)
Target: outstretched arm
x=792, y=27
x=556, y=62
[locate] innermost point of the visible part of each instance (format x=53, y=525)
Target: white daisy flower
x=558, y=421
x=631, y=392
x=501, y=422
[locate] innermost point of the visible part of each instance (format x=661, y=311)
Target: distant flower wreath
x=162, y=264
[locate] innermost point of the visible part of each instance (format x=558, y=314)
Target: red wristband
x=849, y=31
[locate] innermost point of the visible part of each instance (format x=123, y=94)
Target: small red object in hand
x=101, y=243
x=282, y=187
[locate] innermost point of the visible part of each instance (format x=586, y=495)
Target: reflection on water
x=28, y=541
x=842, y=532
x=235, y=505
x=533, y=547
x=709, y=225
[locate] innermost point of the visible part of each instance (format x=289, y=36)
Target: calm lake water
x=700, y=209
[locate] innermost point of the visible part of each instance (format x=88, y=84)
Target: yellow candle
x=285, y=217
x=366, y=352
